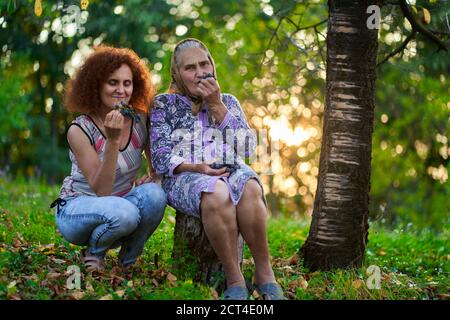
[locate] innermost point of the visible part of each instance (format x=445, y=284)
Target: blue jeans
x=104, y=223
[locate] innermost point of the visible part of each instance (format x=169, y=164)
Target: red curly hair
x=82, y=92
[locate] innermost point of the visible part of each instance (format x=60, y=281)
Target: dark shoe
x=270, y=291
x=236, y=293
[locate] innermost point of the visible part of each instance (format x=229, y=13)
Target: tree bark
x=190, y=236
x=339, y=227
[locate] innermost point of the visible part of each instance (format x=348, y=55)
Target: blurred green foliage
x=267, y=59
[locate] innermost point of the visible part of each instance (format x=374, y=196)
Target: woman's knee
x=154, y=200
x=124, y=216
x=217, y=200
x=253, y=190
x=118, y=214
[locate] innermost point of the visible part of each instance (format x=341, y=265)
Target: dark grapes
x=127, y=111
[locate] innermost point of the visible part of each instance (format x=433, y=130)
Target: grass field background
x=35, y=260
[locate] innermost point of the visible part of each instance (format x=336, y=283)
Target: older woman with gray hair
x=199, y=138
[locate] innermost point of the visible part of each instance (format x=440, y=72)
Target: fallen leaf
x=107, y=297
x=357, y=283
x=57, y=290
x=89, y=287
x=53, y=275
x=116, y=280
x=48, y=249
x=12, y=290
x=77, y=295
x=172, y=279
x=294, y=260
x=287, y=269
x=291, y=295
x=11, y=284
x=120, y=293
x=17, y=243
x=58, y=261
x=300, y=282
x=315, y=273
x=155, y=283
x=15, y=296
x=33, y=277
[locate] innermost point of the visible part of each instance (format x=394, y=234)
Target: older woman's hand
x=210, y=92
x=206, y=169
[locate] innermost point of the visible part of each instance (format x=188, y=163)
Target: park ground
x=35, y=260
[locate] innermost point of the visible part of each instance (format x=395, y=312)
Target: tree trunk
x=339, y=228
x=192, y=245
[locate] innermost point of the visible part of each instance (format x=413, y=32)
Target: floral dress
x=178, y=136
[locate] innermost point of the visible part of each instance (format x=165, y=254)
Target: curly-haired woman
x=101, y=205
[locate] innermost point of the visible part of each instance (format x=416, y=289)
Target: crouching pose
x=101, y=205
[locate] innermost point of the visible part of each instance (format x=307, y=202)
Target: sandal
x=270, y=291
x=91, y=262
x=236, y=293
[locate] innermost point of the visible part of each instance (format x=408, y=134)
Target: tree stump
x=190, y=236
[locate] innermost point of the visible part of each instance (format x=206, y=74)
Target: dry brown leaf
x=294, y=260
x=172, y=279
x=11, y=284
x=291, y=295
x=77, y=295
x=15, y=296
x=120, y=293
x=155, y=283
x=357, y=283
x=53, y=275
x=106, y=297
x=58, y=261
x=57, y=290
x=300, y=282
x=48, y=249
x=89, y=287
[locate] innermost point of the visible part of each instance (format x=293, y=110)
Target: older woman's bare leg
x=251, y=217
x=219, y=220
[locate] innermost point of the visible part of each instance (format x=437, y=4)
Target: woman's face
x=193, y=64
x=117, y=87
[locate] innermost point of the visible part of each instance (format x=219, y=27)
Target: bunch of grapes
x=127, y=111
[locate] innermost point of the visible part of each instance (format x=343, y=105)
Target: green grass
x=34, y=259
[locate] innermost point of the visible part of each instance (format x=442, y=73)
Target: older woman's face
x=193, y=64
x=117, y=87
